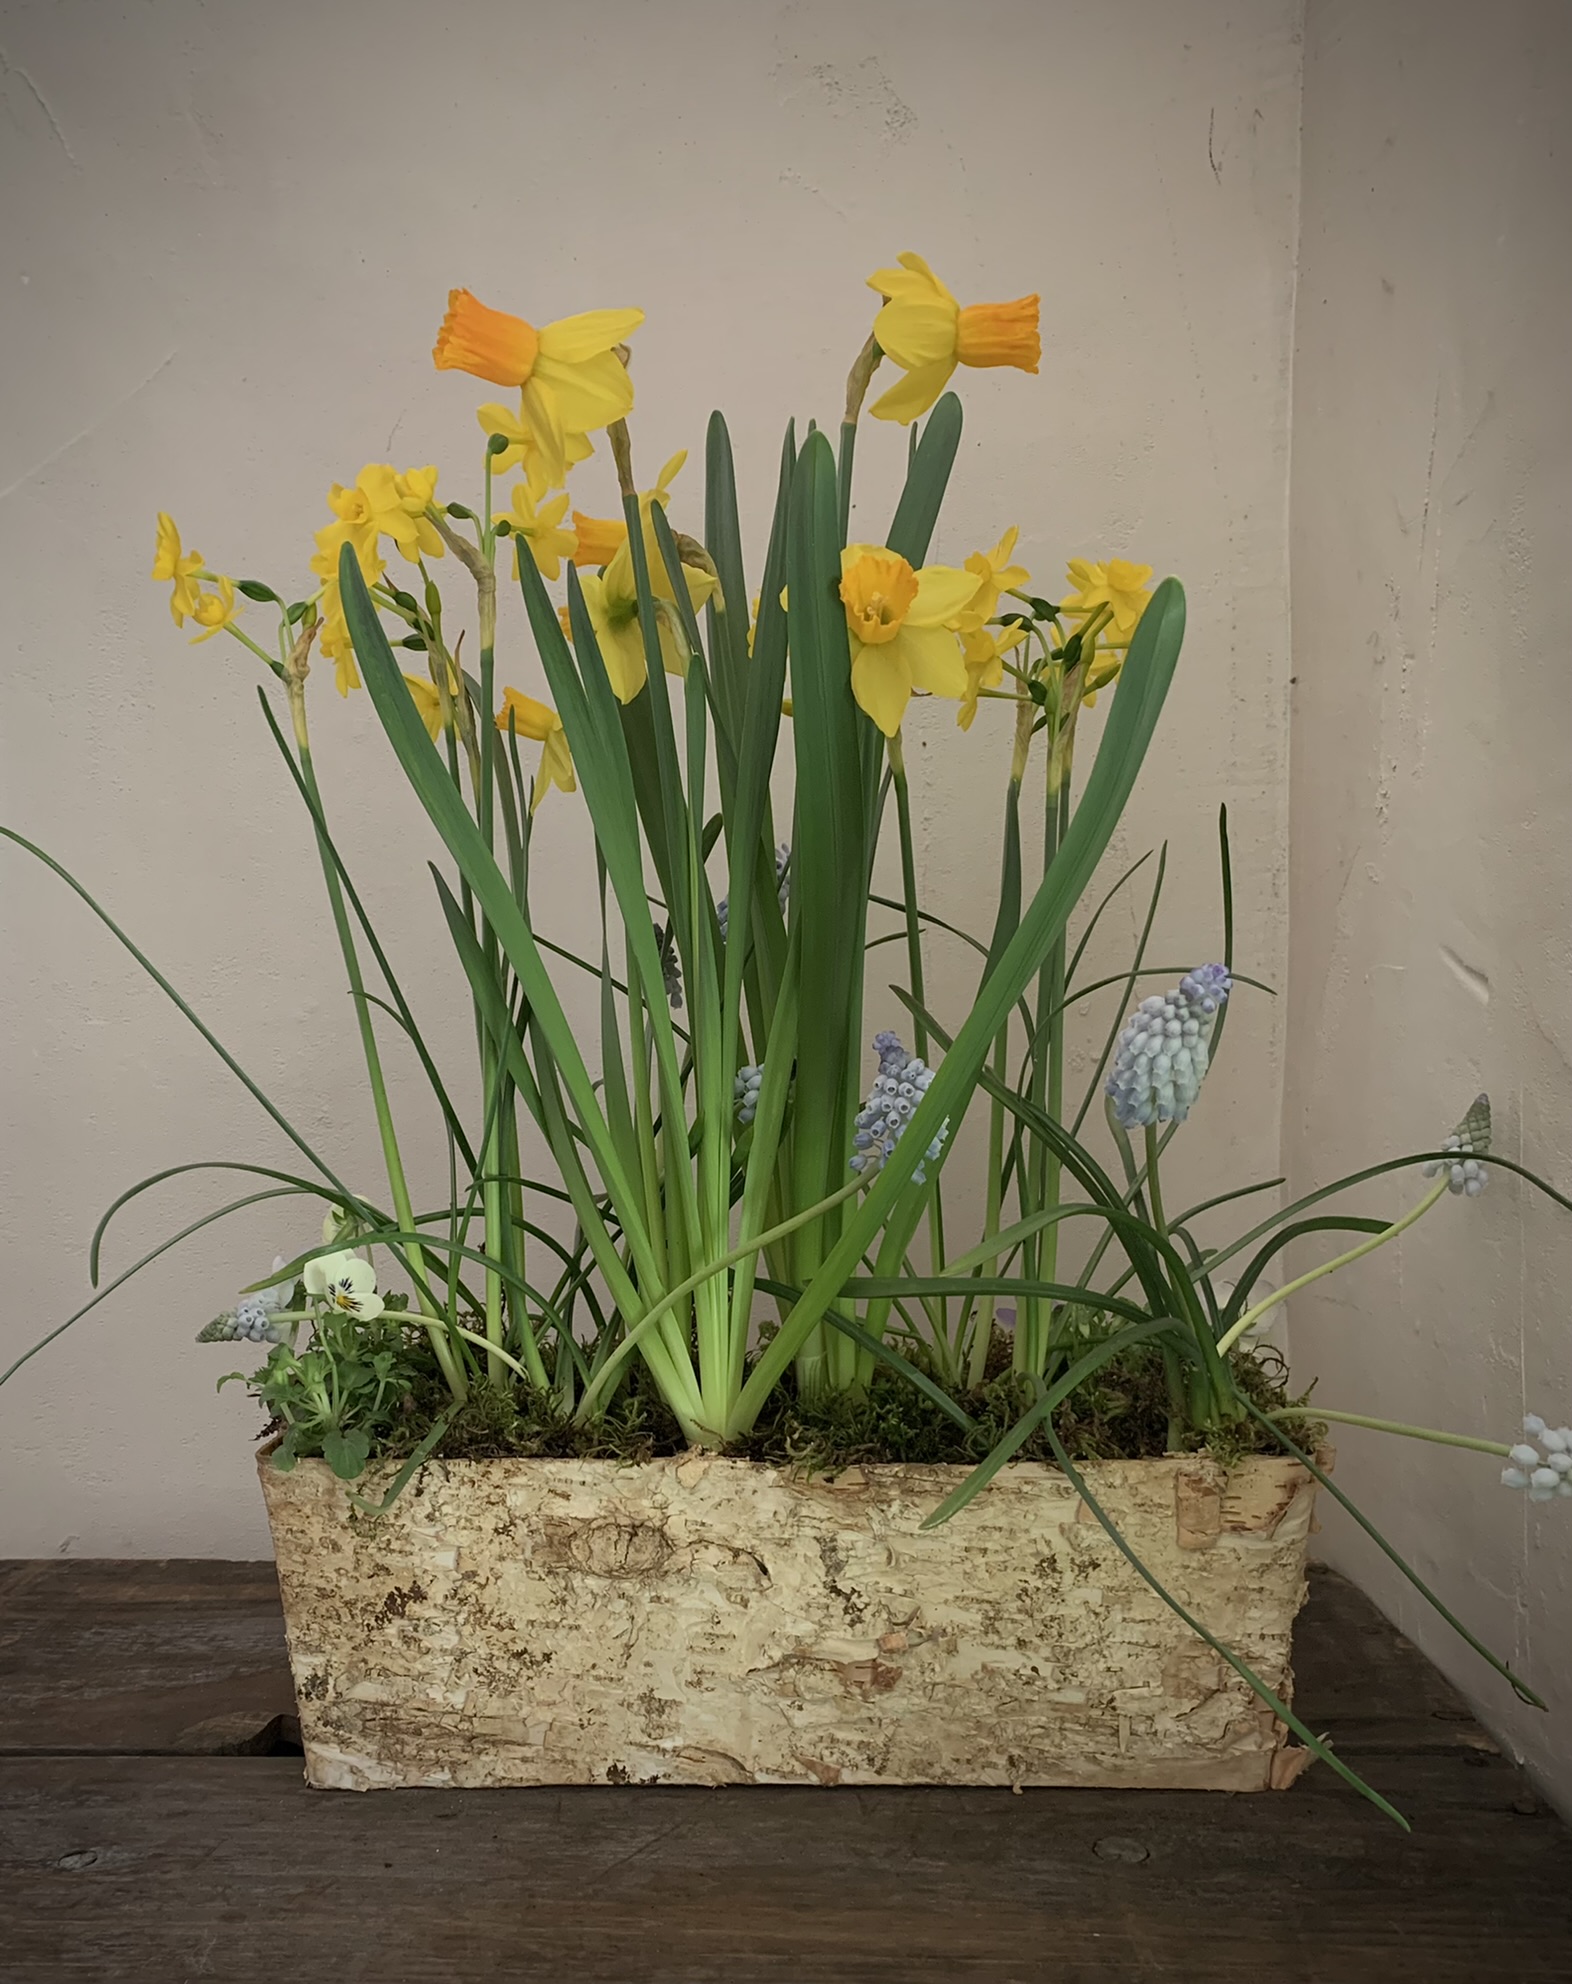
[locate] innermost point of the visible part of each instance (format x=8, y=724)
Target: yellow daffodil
x=612, y=599
x=353, y=523
x=928, y=334
x=983, y=650
x=539, y=525
x=172, y=564
x=539, y=721
x=569, y=376
x=351, y=526
x=995, y=575
x=598, y=539
x=335, y=643
x=900, y=622
x=522, y=448
x=386, y=503
x=1118, y=584
x=428, y=701
x=613, y=604
x=213, y=611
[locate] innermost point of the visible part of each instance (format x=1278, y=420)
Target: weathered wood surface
x=122, y=1868
x=143, y=1657
x=699, y=1620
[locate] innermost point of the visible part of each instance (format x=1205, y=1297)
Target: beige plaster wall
x=232, y=231
x=1431, y=805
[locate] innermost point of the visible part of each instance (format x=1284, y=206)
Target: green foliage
x=344, y=1395
x=681, y=1275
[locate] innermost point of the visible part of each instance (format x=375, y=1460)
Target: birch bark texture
x=699, y=1620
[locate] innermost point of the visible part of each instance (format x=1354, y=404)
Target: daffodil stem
x=497, y=1363
x=1252, y=1316
x=398, y=1186
x=1047, y=1092
x=1442, y=1439
x=246, y=641
x=903, y=819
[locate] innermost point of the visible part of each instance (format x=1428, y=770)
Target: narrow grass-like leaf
x=402, y=1013
x=1247, y=1674
x=306, y=1186
x=163, y=984
x=120, y=1280
x=1346, y=1223
x=1519, y=1687
x=1054, y=1395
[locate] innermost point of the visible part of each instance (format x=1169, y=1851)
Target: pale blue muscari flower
x=1470, y=1140
x=898, y=1087
x=252, y=1318
x=783, y=885
x=1163, y=1050
x=1542, y=1475
x=745, y=1089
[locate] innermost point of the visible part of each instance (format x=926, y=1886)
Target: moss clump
x=1121, y=1413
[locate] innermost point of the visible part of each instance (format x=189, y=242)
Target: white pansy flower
x=346, y=1283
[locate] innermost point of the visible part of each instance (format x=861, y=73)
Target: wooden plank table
x=154, y=1828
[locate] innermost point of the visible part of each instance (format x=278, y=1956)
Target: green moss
x=1119, y=1414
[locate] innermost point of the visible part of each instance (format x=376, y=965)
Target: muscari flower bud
x=745, y=1089
x=1467, y=1143
x=1164, y=1050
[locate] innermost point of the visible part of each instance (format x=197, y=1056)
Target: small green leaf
x=346, y=1453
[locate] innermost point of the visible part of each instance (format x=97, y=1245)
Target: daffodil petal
x=909, y=398
x=917, y=330
x=583, y=395
x=882, y=683
x=943, y=593
x=932, y=656
x=571, y=340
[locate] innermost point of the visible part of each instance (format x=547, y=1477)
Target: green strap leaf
x=1247, y=1674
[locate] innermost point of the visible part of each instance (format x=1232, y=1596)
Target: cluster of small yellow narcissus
x=934, y=629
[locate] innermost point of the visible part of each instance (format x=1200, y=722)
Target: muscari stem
x=1251, y=1316
x=1435, y=1433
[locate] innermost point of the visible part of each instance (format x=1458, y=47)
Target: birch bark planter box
x=698, y=1620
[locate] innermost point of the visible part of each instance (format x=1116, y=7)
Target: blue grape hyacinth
x=1163, y=1050
x=1466, y=1145
x=782, y=883
x=898, y=1087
